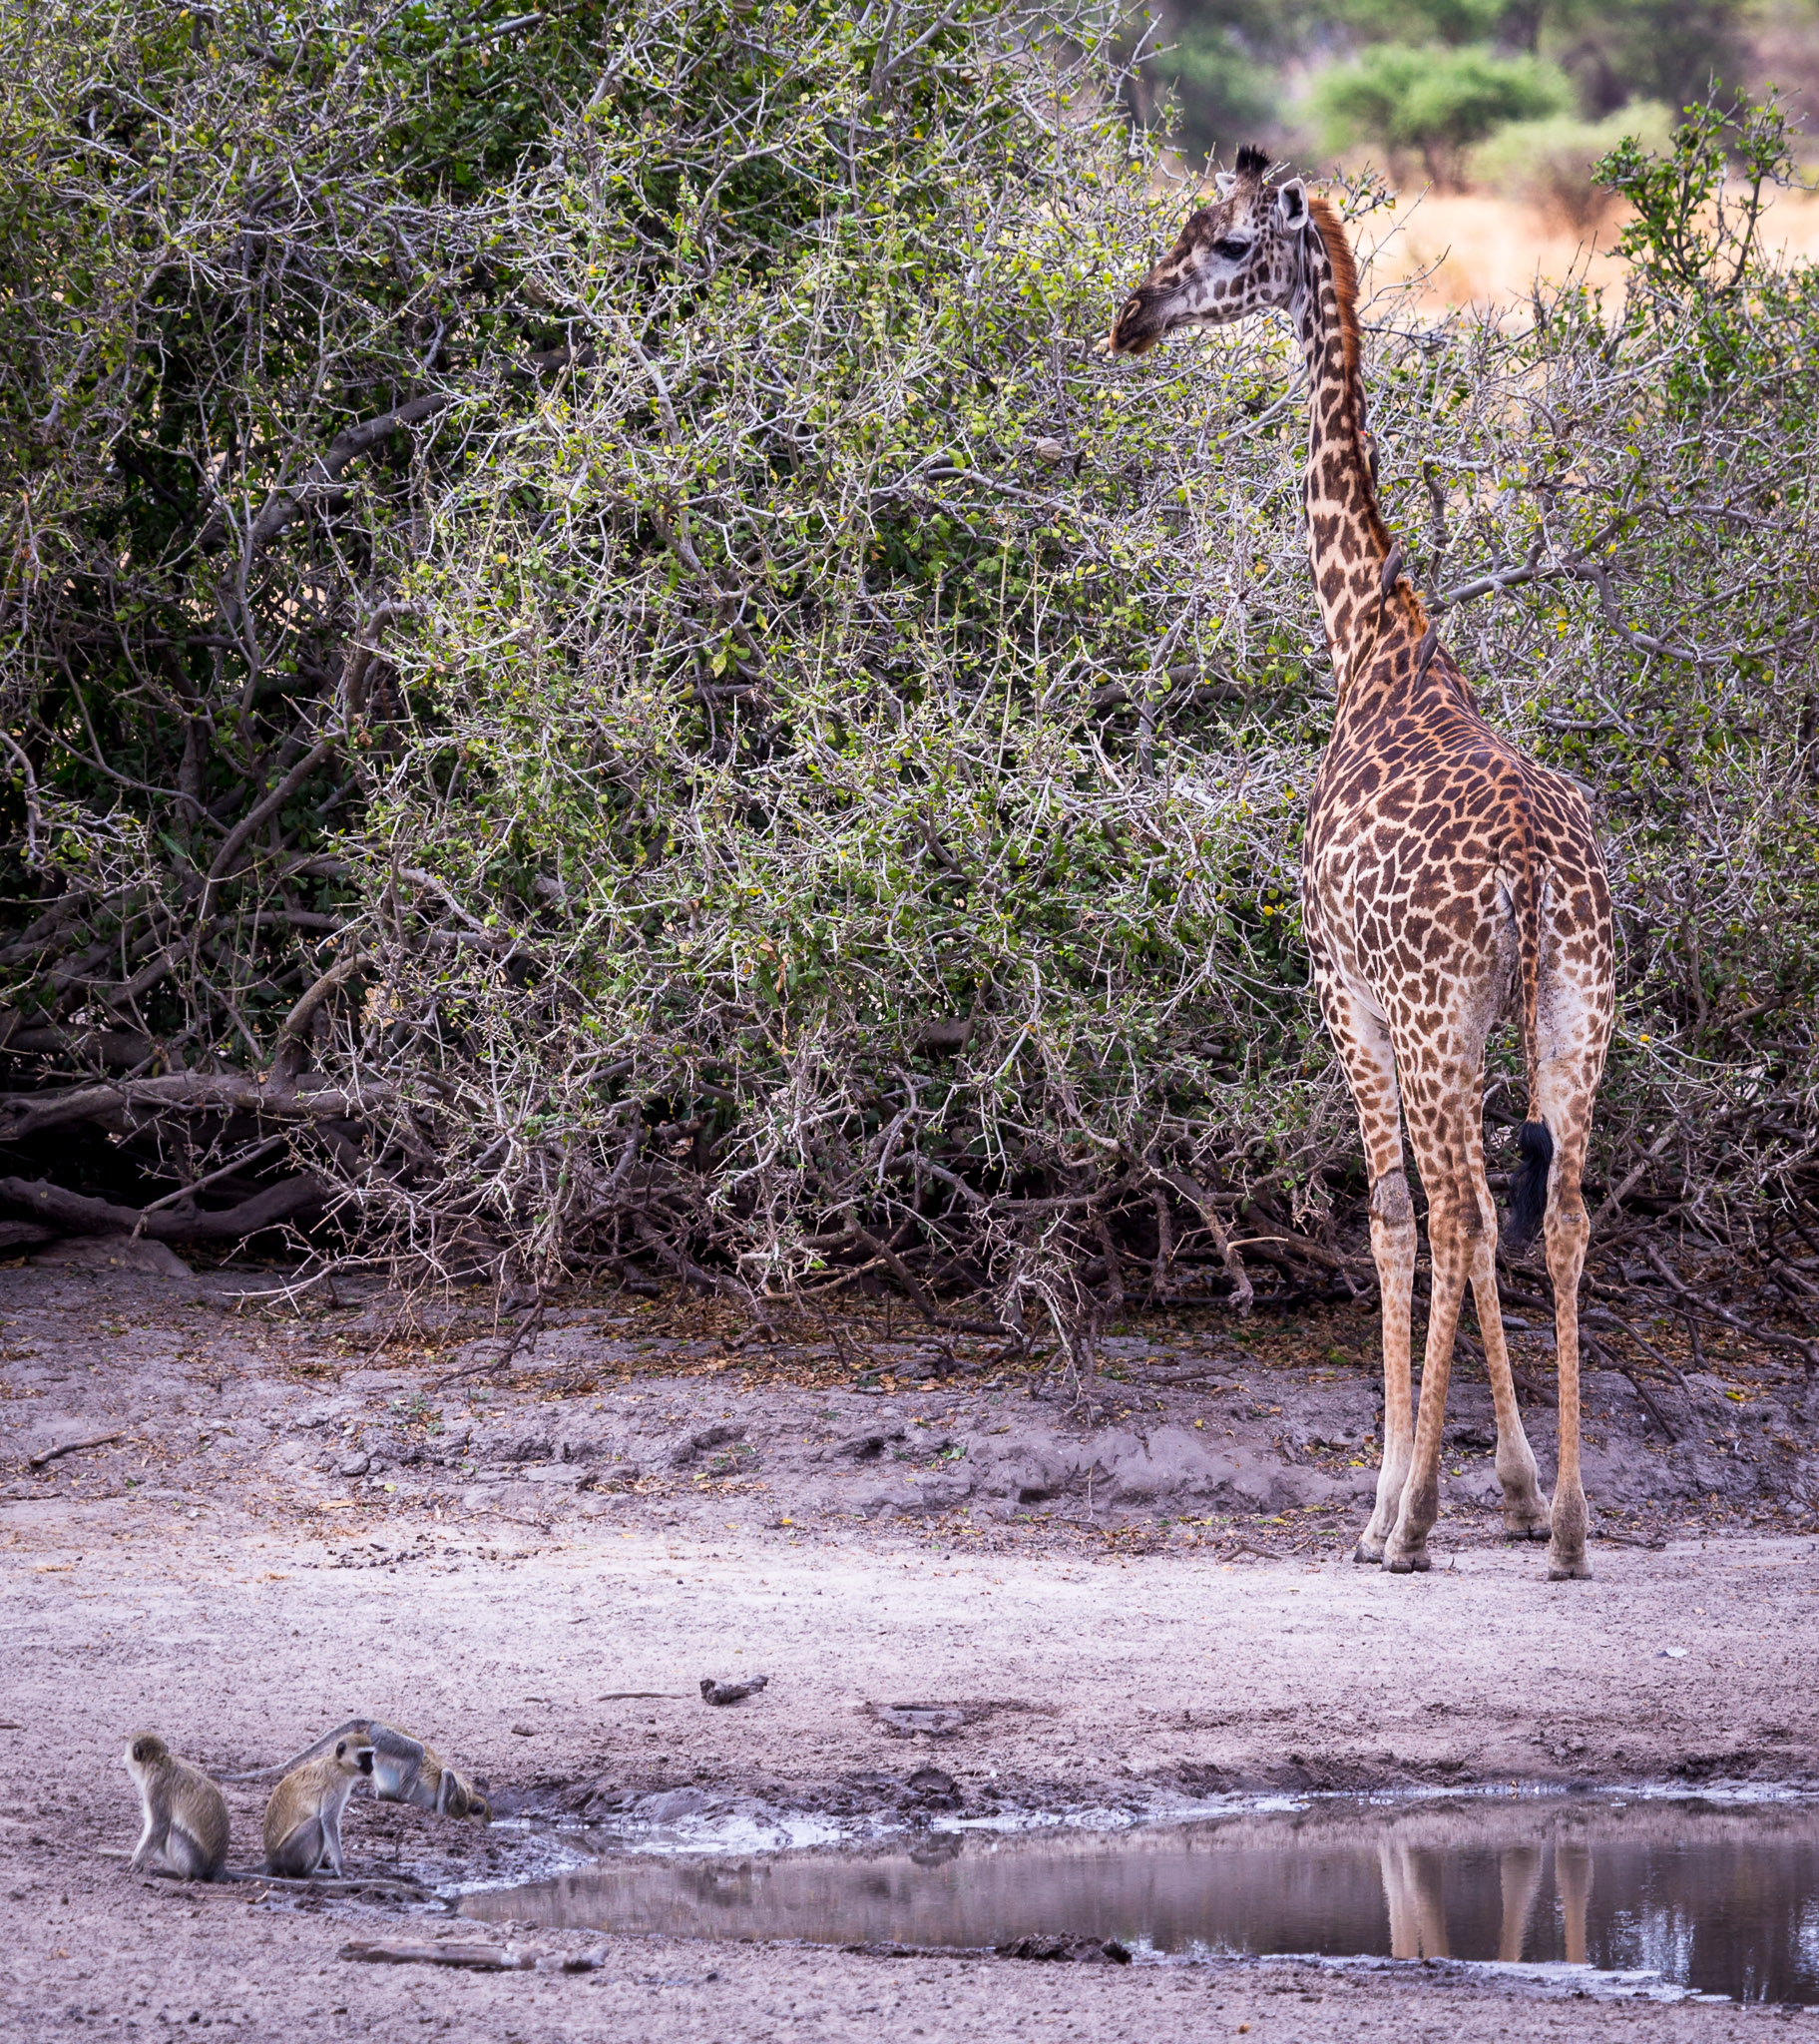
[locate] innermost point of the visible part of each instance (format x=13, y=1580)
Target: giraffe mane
x=1345, y=278
x=1338, y=244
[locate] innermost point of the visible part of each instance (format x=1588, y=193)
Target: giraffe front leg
x=1393, y=1246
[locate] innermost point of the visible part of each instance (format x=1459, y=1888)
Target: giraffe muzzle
x=1138, y=326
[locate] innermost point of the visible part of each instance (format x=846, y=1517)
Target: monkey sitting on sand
x=404, y=1770
x=304, y=1817
x=185, y=1815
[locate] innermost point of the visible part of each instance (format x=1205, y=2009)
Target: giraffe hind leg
x=1450, y=1250
x=1577, y=1021
x=1362, y=1038
x=1393, y=1247
x=1446, y=1132
x=1525, y=1510
x=1569, y=1232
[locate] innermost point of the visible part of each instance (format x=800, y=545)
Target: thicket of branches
x=598, y=673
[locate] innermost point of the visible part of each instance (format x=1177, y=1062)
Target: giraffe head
x=1237, y=256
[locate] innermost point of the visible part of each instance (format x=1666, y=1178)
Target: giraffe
x=1447, y=881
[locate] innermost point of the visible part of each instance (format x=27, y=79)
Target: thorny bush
x=601, y=675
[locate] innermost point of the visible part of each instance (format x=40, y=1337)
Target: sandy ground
x=294, y=1527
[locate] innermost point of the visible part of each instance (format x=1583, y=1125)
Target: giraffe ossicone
x=1448, y=881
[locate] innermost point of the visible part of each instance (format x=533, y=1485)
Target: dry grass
x=1476, y=249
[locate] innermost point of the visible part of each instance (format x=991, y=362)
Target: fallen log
x=77, y=1214
x=469, y=1958
x=31, y=1114
x=50, y=1455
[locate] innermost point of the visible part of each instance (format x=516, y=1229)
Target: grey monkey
x=185, y=1815
x=404, y=1770
x=304, y=1817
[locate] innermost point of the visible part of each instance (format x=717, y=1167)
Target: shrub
x=1697, y=206
x=1433, y=102
x=790, y=772
x=1550, y=164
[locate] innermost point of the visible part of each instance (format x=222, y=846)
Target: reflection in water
x=1723, y=1901
x=1414, y=1891
x=1572, y=1876
x=1519, y=1872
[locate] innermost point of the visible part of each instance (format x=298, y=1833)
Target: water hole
x=1717, y=1898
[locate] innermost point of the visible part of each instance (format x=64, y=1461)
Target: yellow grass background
x=1473, y=249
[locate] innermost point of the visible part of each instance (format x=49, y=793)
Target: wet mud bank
x=202, y=1390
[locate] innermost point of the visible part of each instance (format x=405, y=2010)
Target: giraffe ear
x=1291, y=202
x=1224, y=183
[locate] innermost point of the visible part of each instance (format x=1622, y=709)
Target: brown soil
x=1131, y=1603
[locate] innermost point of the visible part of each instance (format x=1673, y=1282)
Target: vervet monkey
x=185, y=1816
x=304, y=1817
x=404, y=1770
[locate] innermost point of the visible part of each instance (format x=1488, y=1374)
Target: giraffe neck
x=1347, y=540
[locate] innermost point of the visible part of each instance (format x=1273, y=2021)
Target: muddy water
x=1723, y=1901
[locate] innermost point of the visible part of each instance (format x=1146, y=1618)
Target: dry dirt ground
x=298, y=1514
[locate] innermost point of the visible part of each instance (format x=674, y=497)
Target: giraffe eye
x=1232, y=252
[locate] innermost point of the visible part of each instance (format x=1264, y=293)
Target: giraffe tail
x=1535, y=1141
x=1529, y=1186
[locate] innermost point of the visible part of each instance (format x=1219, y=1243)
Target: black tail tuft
x=1529, y=1186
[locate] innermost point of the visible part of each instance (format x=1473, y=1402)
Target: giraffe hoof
x=1572, y=1569
x=1372, y=1557
x=1527, y=1529
x=1416, y=1564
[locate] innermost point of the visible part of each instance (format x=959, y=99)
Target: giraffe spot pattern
x=1447, y=881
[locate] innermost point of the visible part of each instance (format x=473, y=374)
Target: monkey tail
x=1535, y=1141
x=310, y=1752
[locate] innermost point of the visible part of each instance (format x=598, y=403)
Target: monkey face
x=356, y=1756
x=457, y=1796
